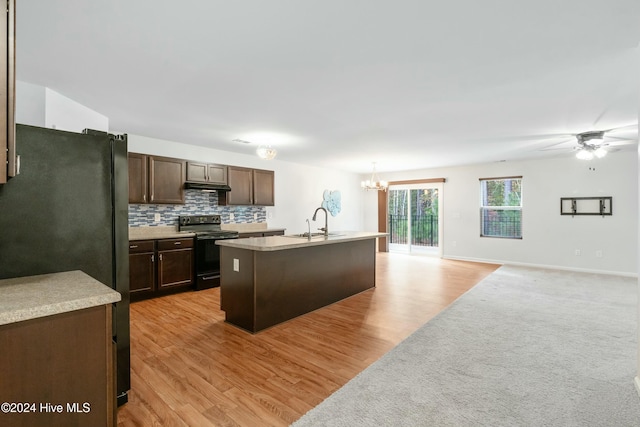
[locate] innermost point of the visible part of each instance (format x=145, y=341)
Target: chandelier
x=592, y=148
x=374, y=183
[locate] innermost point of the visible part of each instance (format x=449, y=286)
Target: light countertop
x=171, y=232
x=160, y=232
x=276, y=243
x=25, y=298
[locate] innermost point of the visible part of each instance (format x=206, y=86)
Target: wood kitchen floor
x=190, y=368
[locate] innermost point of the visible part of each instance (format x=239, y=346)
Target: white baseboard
x=552, y=267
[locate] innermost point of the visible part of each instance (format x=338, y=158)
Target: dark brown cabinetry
x=7, y=93
x=157, y=267
x=249, y=187
x=263, y=184
x=138, y=182
x=166, y=180
x=65, y=359
x=154, y=179
x=208, y=173
x=175, y=262
x=142, y=270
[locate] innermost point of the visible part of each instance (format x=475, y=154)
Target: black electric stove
x=207, y=229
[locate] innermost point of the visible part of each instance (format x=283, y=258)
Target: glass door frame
x=419, y=185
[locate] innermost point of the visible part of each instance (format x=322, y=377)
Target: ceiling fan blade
x=632, y=128
x=554, y=146
x=618, y=138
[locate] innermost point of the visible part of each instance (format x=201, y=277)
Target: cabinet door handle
x=177, y=243
x=133, y=246
x=160, y=256
x=151, y=197
x=153, y=258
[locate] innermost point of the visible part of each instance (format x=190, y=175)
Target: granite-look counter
x=25, y=298
x=171, y=232
x=277, y=243
x=160, y=232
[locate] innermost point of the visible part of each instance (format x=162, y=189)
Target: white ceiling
x=342, y=83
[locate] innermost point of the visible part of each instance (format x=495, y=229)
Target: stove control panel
x=199, y=219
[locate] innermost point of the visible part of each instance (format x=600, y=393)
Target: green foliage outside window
x=501, y=208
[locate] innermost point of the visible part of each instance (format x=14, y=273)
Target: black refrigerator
x=67, y=209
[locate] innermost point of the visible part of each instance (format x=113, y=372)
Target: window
x=501, y=207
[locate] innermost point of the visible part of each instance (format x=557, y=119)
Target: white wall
x=30, y=104
x=40, y=106
x=298, y=188
x=549, y=239
x=63, y=113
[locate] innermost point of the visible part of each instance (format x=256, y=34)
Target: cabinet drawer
x=138, y=246
x=168, y=244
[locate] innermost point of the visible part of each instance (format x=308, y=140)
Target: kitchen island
x=269, y=280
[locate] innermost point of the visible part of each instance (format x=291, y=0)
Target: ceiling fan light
x=600, y=152
x=584, y=154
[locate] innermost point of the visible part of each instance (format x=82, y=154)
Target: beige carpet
x=525, y=347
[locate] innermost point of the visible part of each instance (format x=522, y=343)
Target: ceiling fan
x=596, y=143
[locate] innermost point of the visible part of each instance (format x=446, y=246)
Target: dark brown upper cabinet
x=138, y=182
x=8, y=163
x=208, y=173
x=263, y=187
x=154, y=179
x=166, y=180
x=249, y=187
x=241, y=182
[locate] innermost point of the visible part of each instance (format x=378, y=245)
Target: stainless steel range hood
x=204, y=186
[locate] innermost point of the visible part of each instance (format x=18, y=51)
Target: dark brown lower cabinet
x=158, y=267
x=59, y=370
x=142, y=267
x=175, y=263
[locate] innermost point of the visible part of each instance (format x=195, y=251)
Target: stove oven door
x=208, y=261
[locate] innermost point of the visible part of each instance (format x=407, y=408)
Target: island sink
x=313, y=235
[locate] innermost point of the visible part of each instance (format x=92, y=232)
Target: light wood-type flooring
x=190, y=368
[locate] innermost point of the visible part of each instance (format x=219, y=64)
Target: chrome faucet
x=326, y=220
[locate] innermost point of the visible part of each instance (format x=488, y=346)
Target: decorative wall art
x=332, y=202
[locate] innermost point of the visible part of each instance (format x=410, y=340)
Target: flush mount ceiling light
x=374, y=183
x=266, y=152
x=590, y=145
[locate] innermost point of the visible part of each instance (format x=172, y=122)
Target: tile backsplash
x=196, y=203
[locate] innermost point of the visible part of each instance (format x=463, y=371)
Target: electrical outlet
x=270, y=215
x=255, y=216
x=232, y=216
x=578, y=253
x=157, y=217
x=236, y=264
x=598, y=254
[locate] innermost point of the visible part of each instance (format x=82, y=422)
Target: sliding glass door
x=414, y=218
